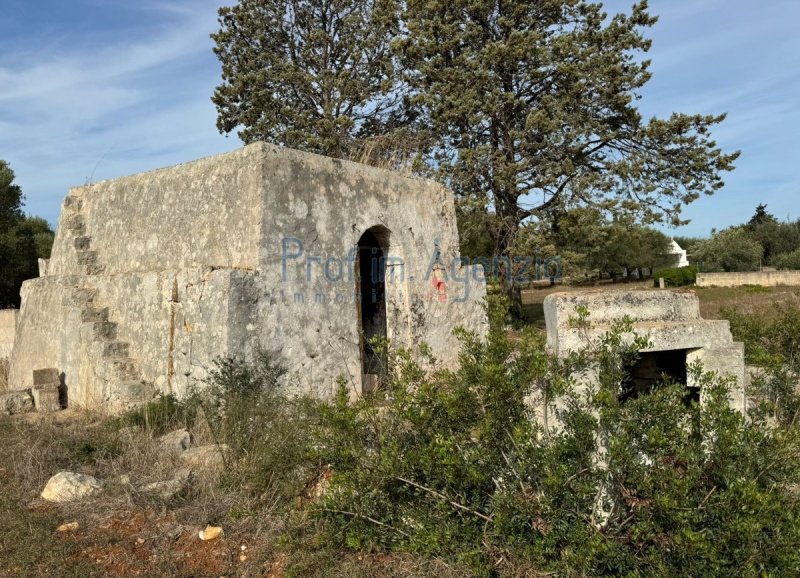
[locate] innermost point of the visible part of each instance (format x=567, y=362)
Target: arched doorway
x=370, y=268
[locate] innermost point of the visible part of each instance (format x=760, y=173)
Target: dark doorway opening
x=373, y=247
x=653, y=368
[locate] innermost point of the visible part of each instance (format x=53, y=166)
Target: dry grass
x=766, y=301
x=125, y=532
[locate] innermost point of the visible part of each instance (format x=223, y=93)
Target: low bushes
x=247, y=407
x=787, y=260
x=676, y=276
x=460, y=465
x=769, y=341
x=511, y=466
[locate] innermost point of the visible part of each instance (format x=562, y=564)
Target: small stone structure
x=672, y=323
x=154, y=276
x=46, y=390
x=763, y=278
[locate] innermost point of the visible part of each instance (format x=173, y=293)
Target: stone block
x=46, y=377
x=94, y=314
x=669, y=320
x=47, y=399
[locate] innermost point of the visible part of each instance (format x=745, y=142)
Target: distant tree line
x=588, y=243
x=23, y=240
x=763, y=241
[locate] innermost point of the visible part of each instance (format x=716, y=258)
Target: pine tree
x=533, y=103
x=317, y=75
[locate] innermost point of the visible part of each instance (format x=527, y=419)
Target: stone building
x=153, y=276
x=670, y=320
x=677, y=255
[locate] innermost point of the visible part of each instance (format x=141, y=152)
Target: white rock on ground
x=210, y=533
x=176, y=441
x=210, y=457
x=69, y=486
x=15, y=402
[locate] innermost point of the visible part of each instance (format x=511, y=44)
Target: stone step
x=76, y=224
x=82, y=243
x=118, y=349
x=104, y=331
x=88, y=259
x=123, y=369
x=80, y=297
x=73, y=203
x=94, y=314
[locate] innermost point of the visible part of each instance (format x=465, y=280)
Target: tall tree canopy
x=534, y=105
x=23, y=240
x=530, y=105
x=317, y=75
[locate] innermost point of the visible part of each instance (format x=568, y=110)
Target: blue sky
x=95, y=89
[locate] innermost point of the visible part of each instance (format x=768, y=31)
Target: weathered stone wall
x=172, y=325
x=321, y=207
x=8, y=325
x=763, y=278
x=203, y=213
x=670, y=320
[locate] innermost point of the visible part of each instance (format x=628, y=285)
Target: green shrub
x=248, y=408
x=768, y=341
x=469, y=465
x=159, y=416
x=787, y=260
x=676, y=276
x=776, y=393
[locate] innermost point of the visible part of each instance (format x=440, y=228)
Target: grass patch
x=159, y=416
x=763, y=301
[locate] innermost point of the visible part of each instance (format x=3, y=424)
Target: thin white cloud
x=133, y=104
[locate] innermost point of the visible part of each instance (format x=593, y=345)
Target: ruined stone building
x=671, y=322
x=154, y=276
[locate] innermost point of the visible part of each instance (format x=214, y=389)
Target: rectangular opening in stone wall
x=654, y=368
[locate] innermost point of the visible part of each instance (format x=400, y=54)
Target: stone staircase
x=120, y=373
x=75, y=223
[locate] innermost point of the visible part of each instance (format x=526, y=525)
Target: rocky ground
x=82, y=496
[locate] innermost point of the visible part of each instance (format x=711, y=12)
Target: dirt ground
x=125, y=532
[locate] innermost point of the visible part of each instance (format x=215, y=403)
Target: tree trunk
x=509, y=217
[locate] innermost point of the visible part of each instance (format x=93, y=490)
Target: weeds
x=769, y=341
